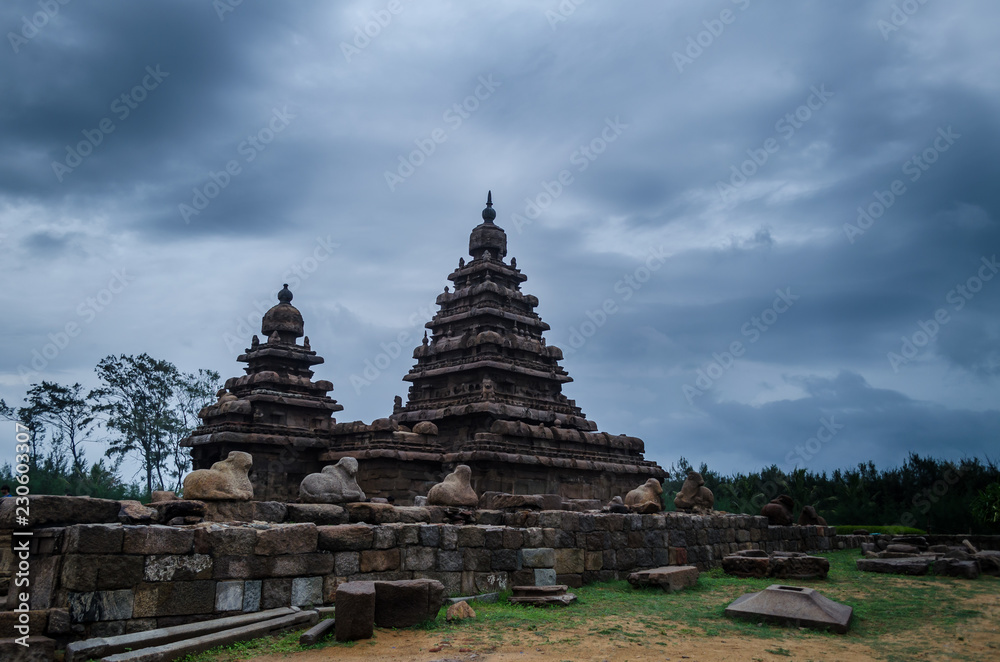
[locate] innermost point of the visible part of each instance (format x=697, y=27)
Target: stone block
x=355, y=611
x=321, y=514
x=140, y=625
x=384, y=537
x=452, y=581
x=799, y=567
x=544, y=557
x=269, y=511
x=572, y=581
x=37, y=621
x=345, y=537
x=330, y=584
x=178, y=568
x=746, y=566
x=100, y=606
x=793, y=605
x=287, y=539
x=50, y=510
x=100, y=572
x=93, y=539
x=430, y=535
x=228, y=511
x=347, y=563
x=569, y=561
x=513, y=539
x=408, y=534
x=307, y=591
x=670, y=578
x=489, y=582
x=251, y=595
x=58, y=625
x=156, y=539
x=505, y=559
x=477, y=559
x=471, y=536
x=174, y=598
x=493, y=537
x=225, y=540
x=229, y=596
x=371, y=513
x=450, y=561
x=275, y=593
x=449, y=537
x=419, y=558
x=593, y=561
x=291, y=565
x=402, y=604
x=544, y=577
x=413, y=514
x=379, y=560
x=677, y=555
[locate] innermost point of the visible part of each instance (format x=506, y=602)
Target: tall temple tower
x=493, y=389
x=275, y=411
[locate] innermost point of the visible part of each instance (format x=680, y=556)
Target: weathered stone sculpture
x=225, y=481
x=809, y=517
x=779, y=511
x=694, y=496
x=454, y=490
x=645, y=498
x=616, y=505
x=336, y=483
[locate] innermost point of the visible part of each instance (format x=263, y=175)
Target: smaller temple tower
x=274, y=412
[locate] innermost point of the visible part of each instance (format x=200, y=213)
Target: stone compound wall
x=103, y=579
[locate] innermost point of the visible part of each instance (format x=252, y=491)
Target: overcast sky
x=747, y=223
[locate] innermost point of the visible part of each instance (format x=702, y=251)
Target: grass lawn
x=891, y=616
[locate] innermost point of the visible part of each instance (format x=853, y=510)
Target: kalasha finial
x=489, y=213
x=285, y=295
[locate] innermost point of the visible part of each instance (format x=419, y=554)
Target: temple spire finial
x=489, y=213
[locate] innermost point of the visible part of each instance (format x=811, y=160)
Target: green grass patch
x=848, y=529
x=614, y=611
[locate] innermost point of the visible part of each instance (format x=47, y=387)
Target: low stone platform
x=670, y=578
x=792, y=605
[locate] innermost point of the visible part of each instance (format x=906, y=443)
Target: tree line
x=937, y=496
x=141, y=410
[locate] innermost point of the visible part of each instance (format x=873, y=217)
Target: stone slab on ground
x=542, y=596
x=914, y=565
x=316, y=632
x=355, y=611
x=179, y=649
x=746, y=566
x=670, y=578
x=956, y=568
x=102, y=646
x=793, y=605
x=482, y=597
x=799, y=567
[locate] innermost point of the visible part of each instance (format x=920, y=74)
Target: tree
x=67, y=415
x=193, y=393
x=135, y=399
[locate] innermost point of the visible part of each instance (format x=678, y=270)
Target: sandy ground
x=979, y=639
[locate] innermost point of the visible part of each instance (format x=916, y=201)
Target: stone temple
x=486, y=391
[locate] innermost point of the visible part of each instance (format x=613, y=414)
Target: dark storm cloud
x=325, y=114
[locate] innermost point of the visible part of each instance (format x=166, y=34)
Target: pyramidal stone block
x=792, y=605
